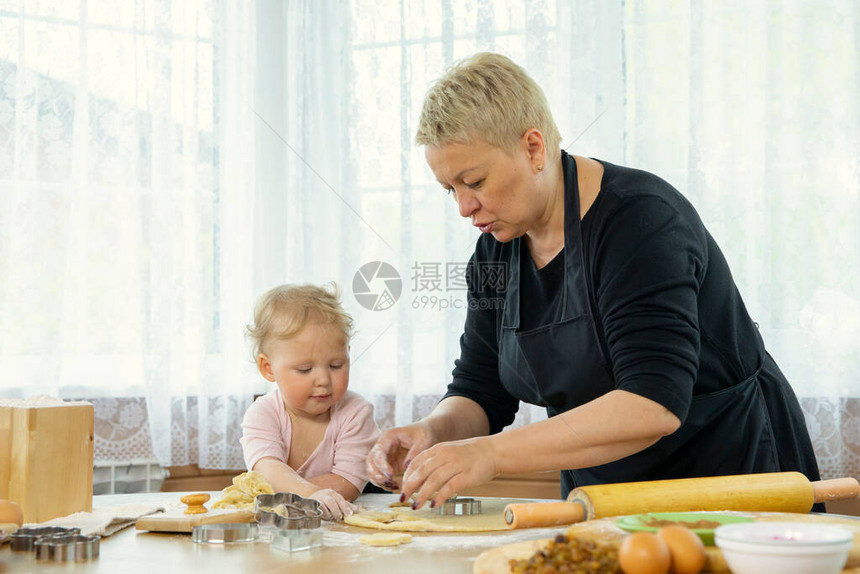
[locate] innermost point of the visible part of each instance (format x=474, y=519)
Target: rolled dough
x=425, y=520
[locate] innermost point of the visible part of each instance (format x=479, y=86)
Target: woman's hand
x=441, y=471
x=394, y=451
x=333, y=505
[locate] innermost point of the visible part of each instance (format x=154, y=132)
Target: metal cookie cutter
x=24, y=539
x=295, y=540
x=294, y=518
x=460, y=506
x=67, y=548
x=288, y=511
x=225, y=533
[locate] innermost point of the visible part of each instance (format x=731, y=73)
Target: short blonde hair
x=489, y=97
x=283, y=311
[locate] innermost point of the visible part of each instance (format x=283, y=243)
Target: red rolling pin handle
x=836, y=489
x=528, y=515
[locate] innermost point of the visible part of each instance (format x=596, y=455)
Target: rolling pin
x=767, y=492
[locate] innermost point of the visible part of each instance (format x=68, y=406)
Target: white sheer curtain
x=337, y=121
x=162, y=163
x=126, y=153
x=751, y=110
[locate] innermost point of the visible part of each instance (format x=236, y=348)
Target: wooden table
x=132, y=551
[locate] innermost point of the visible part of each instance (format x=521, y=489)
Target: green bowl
x=645, y=522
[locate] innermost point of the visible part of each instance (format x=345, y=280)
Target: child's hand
x=334, y=506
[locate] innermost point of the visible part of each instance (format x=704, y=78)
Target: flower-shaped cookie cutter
x=67, y=548
x=55, y=544
x=288, y=511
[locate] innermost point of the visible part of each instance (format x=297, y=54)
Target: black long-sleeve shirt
x=670, y=320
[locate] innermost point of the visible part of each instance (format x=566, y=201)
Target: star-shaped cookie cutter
x=288, y=511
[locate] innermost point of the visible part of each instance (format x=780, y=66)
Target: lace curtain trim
x=122, y=431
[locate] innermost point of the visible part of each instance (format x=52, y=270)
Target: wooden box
x=46, y=459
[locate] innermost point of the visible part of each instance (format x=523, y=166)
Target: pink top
x=351, y=432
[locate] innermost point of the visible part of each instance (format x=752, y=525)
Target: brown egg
x=10, y=513
x=687, y=550
x=643, y=553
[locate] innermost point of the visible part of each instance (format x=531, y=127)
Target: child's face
x=311, y=369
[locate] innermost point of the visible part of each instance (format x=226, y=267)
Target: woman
x=620, y=316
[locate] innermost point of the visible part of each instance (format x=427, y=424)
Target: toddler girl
x=310, y=435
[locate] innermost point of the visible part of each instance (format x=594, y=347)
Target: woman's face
x=493, y=188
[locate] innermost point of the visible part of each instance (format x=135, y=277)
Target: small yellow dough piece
x=386, y=539
x=8, y=527
x=245, y=488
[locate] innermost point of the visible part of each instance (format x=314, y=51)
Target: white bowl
x=784, y=547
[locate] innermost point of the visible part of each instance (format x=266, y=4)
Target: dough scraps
x=244, y=490
x=386, y=539
x=426, y=520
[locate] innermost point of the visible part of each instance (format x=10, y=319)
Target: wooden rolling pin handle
x=195, y=503
x=529, y=514
x=836, y=489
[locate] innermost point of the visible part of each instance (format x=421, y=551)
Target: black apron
x=562, y=365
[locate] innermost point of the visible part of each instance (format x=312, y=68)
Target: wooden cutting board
x=177, y=521
x=496, y=560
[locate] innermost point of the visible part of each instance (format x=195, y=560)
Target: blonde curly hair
x=283, y=311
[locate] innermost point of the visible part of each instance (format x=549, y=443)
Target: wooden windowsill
x=192, y=478
x=532, y=485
